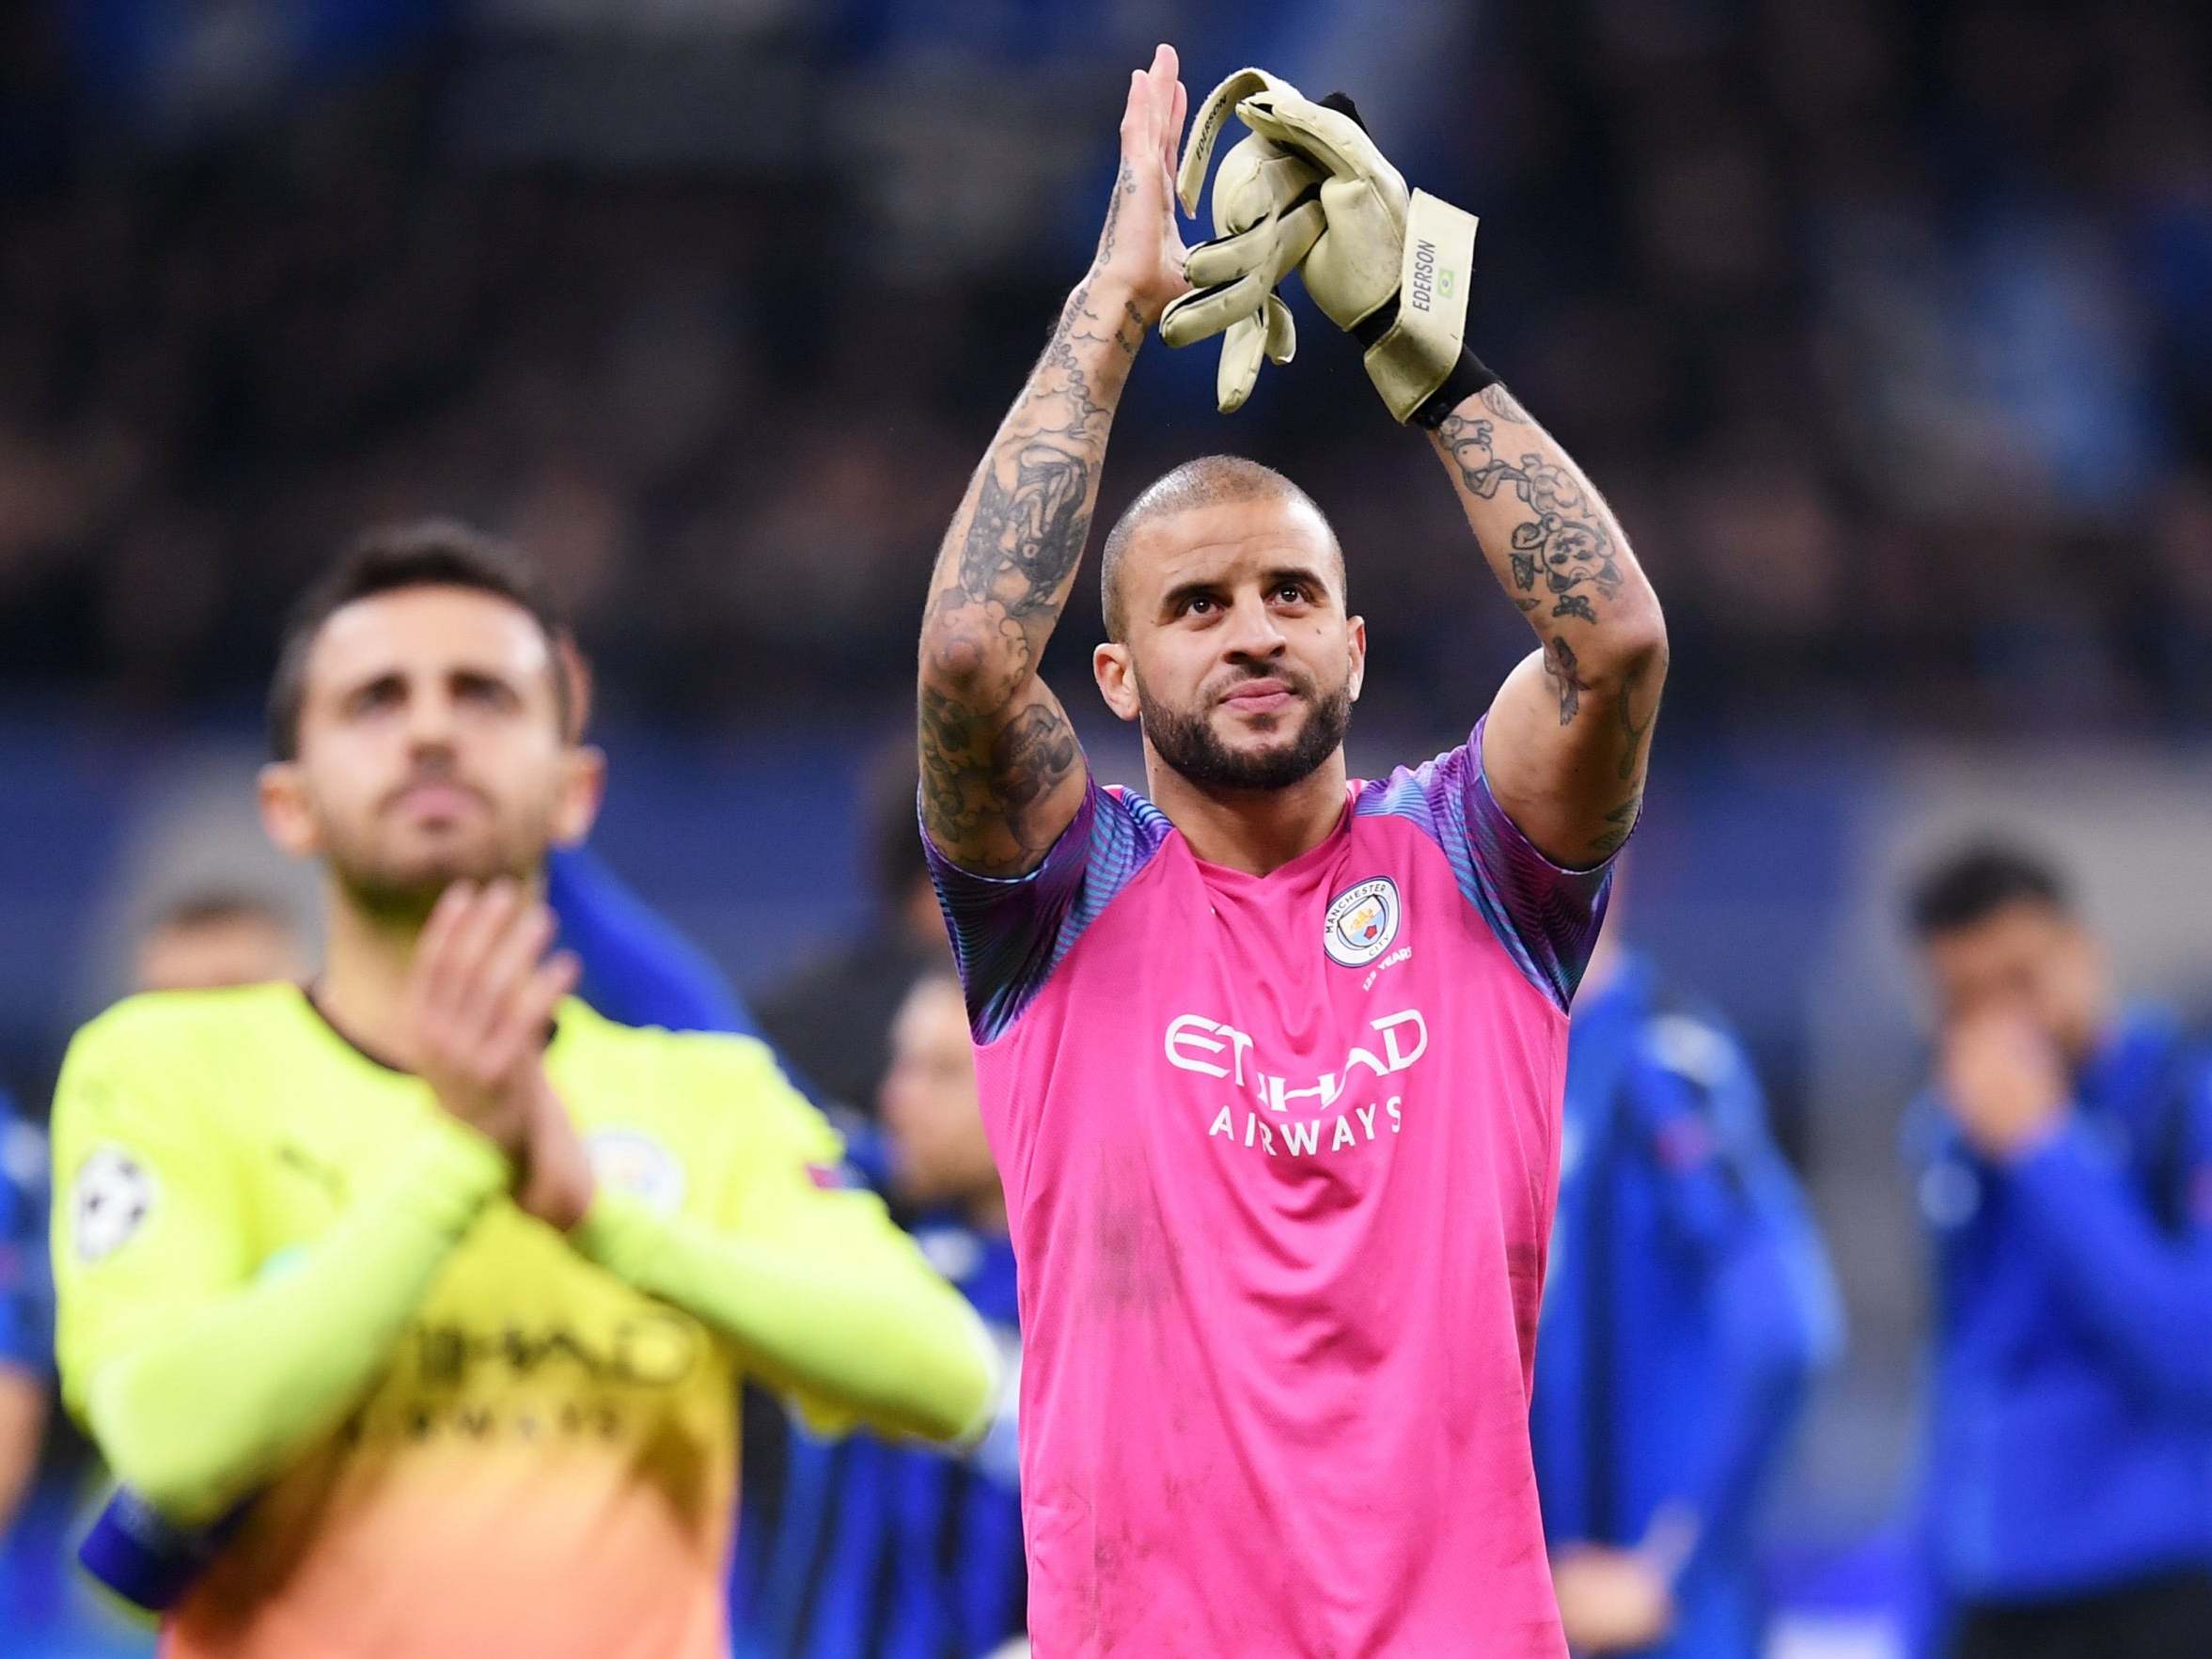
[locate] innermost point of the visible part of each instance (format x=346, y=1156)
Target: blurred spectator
x=1688, y=1305
x=1949, y=261
x=27, y=1311
x=833, y=1022
x=207, y=940
x=2064, y=1160
x=872, y=1548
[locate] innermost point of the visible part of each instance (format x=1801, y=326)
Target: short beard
x=392, y=900
x=1186, y=743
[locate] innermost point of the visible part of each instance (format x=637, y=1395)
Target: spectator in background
x=1688, y=1305
x=208, y=940
x=831, y=1024
x=26, y=1312
x=871, y=1548
x=2064, y=1158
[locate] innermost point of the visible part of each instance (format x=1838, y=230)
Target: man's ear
x=284, y=812
x=582, y=791
x=1117, y=677
x=1359, y=647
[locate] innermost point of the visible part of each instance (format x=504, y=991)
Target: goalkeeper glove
x=1389, y=267
x=1266, y=214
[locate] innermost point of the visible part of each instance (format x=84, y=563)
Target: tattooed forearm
x=1024, y=540
x=1572, y=725
x=1503, y=404
x=1562, y=541
x=996, y=750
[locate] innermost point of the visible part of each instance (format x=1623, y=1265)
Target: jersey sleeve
x=1010, y=933
x=801, y=1267
x=149, y=1215
x=1545, y=915
x=200, y=1374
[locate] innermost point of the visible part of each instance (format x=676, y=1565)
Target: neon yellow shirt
x=282, y=1268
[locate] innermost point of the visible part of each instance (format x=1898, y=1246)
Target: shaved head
x=1211, y=481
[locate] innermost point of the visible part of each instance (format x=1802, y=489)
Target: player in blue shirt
x=26, y=1308
x=876, y=1551
x=2063, y=1155
x=1688, y=1304
x=638, y=969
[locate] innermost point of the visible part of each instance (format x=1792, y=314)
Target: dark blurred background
x=1887, y=326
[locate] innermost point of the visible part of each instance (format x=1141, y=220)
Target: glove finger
x=1210, y=264
x=1243, y=345
x=1282, y=333
x=1296, y=233
x=1333, y=142
x=1190, y=179
x=1203, y=314
x=1253, y=184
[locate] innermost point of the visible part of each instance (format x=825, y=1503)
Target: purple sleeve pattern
x=1009, y=935
x=1545, y=917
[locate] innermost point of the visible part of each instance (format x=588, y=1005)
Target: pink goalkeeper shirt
x=1280, y=1154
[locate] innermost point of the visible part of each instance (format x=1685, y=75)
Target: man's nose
x=1252, y=631
x=430, y=722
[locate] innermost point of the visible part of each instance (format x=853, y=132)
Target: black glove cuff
x=1467, y=377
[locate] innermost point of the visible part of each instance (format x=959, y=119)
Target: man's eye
x=1291, y=593
x=1196, y=607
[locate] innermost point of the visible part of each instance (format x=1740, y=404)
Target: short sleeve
x=1545, y=915
x=148, y=1210
x=1010, y=933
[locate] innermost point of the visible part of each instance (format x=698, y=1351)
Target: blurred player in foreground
x=1271, y=1062
x=449, y=1276
x=1689, y=1305
x=205, y=941
x=875, y=1549
x=2064, y=1160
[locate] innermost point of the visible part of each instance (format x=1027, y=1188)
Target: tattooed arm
x=1571, y=729
x=1001, y=772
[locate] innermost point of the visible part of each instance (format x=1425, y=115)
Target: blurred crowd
x=1887, y=326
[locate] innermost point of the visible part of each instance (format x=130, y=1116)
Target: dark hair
x=207, y=906
x=435, y=553
x=1206, y=481
x=1976, y=880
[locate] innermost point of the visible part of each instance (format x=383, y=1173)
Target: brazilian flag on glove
x=1309, y=190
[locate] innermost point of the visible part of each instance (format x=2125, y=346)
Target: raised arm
x=1001, y=772
x=1571, y=729
x=1565, y=744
